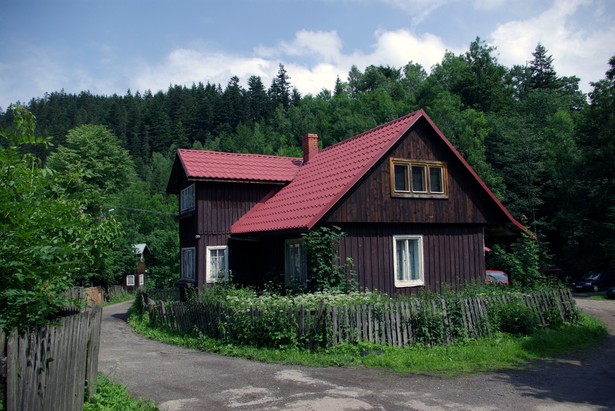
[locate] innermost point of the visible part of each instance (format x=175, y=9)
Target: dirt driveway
x=182, y=379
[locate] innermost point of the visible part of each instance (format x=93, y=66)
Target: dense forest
x=545, y=148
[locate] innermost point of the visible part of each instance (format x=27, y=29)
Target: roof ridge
x=237, y=154
x=373, y=130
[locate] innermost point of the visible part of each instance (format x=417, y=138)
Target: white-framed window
x=130, y=280
x=295, y=262
x=411, y=178
x=408, y=260
x=187, y=199
x=217, y=264
x=141, y=279
x=188, y=259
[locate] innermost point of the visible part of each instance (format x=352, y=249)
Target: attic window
x=410, y=178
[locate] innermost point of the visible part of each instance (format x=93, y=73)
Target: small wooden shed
x=137, y=279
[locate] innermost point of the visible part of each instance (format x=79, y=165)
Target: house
x=136, y=279
x=414, y=211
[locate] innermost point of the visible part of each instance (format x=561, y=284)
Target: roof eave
x=237, y=180
x=276, y=231
x=173, y=177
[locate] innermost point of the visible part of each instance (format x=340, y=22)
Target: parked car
x=610, y=293
x=595, y=281
x=496, y=277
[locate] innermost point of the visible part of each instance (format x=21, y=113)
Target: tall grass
x=111, y=396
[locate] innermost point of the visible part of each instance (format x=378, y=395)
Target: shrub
x=326, y=272
x=521, y=262
x=428, y=327
x=513, y=318
x=270, y=319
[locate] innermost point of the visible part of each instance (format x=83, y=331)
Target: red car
x=496, y=277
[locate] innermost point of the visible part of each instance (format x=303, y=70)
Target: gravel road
x=179, y=379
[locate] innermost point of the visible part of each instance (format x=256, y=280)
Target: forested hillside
x=546, y=149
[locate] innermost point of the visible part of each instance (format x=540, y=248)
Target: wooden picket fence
x=398, y=323
x=53, y=367
x=408, y=322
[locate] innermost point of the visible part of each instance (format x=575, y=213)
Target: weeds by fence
x=54, y=367
x=427, y=321
x=171, y=294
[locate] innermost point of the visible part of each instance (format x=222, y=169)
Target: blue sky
x=110, y=46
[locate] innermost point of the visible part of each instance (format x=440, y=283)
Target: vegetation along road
x=182, y=379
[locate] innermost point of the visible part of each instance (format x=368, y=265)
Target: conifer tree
x=258, y=102
x=280, y=89
x=543, y=74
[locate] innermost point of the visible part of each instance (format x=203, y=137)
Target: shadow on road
x=121, y=316
x=581, y=378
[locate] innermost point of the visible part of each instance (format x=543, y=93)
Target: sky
x=108, y=47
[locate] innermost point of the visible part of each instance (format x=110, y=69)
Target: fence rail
x=53, y=367
x=395, y=324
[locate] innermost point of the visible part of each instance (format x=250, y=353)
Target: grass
x=111, y=396
x=481, y=355
x=598, y=297
x=120, y=299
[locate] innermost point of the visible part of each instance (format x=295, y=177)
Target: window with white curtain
x=408, y=260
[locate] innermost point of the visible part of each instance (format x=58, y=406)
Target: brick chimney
x=310, y=146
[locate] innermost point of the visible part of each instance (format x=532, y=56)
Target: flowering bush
x=272, y=320
x=249, y=299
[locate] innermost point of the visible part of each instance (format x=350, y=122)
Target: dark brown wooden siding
x=370, y=201
x=452, y=254
x=219, y=205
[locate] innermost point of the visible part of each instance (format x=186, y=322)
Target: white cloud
x=313, y=60
x=575, y=51
x=327, y=46
x=313, y=79
x=187, y=66
x=397, y=48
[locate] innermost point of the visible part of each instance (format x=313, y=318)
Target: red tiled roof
x=331, y=173
x=204, y=164
x=323, y=180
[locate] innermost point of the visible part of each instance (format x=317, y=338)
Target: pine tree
x=543, y=74
x=280, y=89
x=258, y=102
x=232, y=109
x=484, y=89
